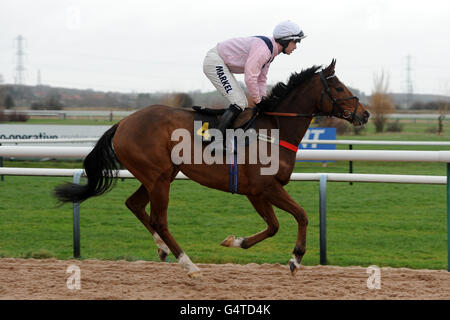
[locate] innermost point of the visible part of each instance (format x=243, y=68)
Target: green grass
x=368, y=223
x=397, y=225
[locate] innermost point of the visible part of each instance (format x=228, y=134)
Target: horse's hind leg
x=265, y=210
x=159, y=201
x=136, y=203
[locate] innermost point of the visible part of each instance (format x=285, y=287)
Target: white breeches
x=218, y=73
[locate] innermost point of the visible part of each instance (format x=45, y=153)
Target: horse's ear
x=330, y=69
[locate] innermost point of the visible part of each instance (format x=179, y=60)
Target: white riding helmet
x=288, y=30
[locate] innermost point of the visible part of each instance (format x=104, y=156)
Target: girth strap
x=233, y=174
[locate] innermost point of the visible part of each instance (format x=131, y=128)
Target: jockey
x=252, y=57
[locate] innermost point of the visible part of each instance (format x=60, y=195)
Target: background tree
x=9, y=102
x=54, y=101
x=2, y=96
x=381, y=103
x=443, y=111
x=143, y=100
x=182, y=100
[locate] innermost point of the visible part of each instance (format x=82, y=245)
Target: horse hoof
x=293, y=268
x=163, y=255
x=195, y=274
x=228, y=242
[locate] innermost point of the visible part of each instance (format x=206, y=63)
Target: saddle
x=210, y=119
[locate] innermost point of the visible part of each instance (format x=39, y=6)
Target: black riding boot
x=227, y=119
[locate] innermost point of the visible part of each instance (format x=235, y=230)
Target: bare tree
x=143, y=100
x=9, y=102
x=178, y=100
x=381, y=103
x=443, y=110
x=2, y=96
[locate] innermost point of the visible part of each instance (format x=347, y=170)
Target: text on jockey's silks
x=223, y=79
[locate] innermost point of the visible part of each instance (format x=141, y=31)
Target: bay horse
x=142, y=143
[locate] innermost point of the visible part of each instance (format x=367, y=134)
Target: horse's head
x=337, y=100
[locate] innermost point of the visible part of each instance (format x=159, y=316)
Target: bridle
x=340, y=113
x=336, y=109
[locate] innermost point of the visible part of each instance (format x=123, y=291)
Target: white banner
x=40, y=131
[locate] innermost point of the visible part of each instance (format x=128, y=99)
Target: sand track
x=46, y=279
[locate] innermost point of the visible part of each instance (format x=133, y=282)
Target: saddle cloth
x=210, y=119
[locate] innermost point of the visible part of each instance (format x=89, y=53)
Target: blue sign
x=318, y=134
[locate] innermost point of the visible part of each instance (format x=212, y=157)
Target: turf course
x=397, y=225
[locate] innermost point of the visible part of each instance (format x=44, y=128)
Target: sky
x=150, y=46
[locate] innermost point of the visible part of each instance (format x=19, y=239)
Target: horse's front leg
x=281, y=199
x=265, y=210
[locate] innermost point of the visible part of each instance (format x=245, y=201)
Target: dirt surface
x=47, y=279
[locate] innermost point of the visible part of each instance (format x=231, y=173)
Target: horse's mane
x=281, y=90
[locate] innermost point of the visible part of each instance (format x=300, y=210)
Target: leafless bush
x=357, y=130
x=182, y=100
x=3, y=116
x=381, y=103
x=443, y=111
x=395, y=126
x=17, y=117
x=433, y=130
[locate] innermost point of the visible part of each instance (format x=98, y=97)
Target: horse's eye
x=340, y=89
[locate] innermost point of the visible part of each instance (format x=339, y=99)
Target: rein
x=281, y=114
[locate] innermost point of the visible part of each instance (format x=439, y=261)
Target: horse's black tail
x=101, y=167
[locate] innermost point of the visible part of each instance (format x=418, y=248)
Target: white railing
x=378, y=142
x=416, y=116
x=44, y=152
x=304, y=141
x=74, y=113
x=332, y=177
x=334, y=155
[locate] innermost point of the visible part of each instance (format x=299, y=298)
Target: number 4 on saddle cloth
x=210, y=119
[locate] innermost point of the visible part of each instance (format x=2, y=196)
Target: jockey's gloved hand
x=259, y=105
